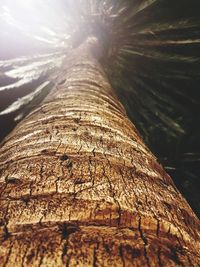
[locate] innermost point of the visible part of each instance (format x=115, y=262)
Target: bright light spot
x=44, y=22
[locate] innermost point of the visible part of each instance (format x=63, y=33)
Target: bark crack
x=8, y=255
x=144, y=239
x=122, y=255
x=94, y=264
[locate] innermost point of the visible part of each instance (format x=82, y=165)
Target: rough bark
x=79, y=187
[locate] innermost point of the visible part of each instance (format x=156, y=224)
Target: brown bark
x=79, y=187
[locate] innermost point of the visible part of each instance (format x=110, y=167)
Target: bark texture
x=79, y=187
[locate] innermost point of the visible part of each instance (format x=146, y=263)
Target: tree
x=80, y=188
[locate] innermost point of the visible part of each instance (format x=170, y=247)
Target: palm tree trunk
x=80, y=188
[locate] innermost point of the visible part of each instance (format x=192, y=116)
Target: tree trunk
x=80, y=188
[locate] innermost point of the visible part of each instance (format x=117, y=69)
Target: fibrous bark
x=79, y=187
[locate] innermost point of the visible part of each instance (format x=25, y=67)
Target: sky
x=32, y=34
x=31, y=25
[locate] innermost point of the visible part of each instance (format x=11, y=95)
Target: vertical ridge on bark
x=79, y=187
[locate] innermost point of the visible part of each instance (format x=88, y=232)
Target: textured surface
x=80, y=188
x=152, y=60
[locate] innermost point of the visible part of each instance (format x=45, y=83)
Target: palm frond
x=151, y=56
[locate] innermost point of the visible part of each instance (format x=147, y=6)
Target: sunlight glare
x=43, y=21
